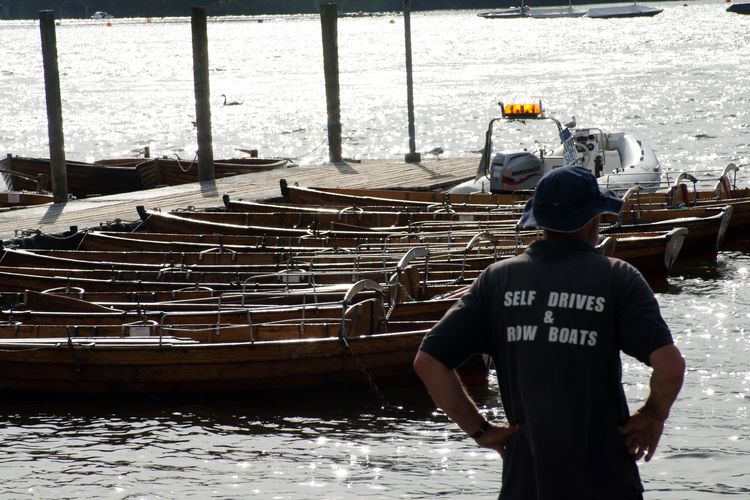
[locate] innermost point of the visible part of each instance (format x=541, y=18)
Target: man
x=555, y=320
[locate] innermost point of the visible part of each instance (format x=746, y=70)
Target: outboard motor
x=514, y=171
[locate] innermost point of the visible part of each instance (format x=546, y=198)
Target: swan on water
x=230, y=103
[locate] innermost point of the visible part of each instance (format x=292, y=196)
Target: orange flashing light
x=525, y=110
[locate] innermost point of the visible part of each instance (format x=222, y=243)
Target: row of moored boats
x=319, y=288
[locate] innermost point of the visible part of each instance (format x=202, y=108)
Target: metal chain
x=361, y=366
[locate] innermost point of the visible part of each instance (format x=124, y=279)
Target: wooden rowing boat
x=310, y=264
x=174, y=364
x=326, y=196
x=196, y=295
x=704, y=237
x=122, y=175
x=45, y=308
x=83, y=179
x=330, y=198
x=653, y=254
x=375, y=220
x=155, y=172
x=268, y=350
x=167, y=222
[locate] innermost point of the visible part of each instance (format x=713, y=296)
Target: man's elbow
x=680, y=366
x=421, y=363
x=669, y=362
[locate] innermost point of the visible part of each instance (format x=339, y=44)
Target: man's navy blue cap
x=566, y=199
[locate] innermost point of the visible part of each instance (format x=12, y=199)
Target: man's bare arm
x=448, y=392
x=644, y=428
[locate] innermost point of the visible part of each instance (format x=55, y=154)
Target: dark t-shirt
x=554, y=320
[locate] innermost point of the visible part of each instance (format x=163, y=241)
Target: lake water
x=679, y=78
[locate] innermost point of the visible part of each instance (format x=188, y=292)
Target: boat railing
x=350, y=210
x=173, y=269
x=196, y=287
x=461, y=226
x=493, y=239
x=704, y=175
x=164, y=322
x=217, y=250
x=66, y=290
x=287, y=277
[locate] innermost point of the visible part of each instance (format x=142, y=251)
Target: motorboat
x=619, y=160
x=101, y=15
x=512, y=12
x=739, y=8
x=634, y=10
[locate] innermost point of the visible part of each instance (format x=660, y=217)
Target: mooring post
x=202, y=94
x=58, y=173
x=412, y=156
x=328, y=20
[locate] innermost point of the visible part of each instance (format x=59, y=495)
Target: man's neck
x=588, y=234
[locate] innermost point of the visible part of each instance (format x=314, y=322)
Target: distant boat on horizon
x=739, y=8
x=547, y=12
x=634, y=10
x=524, y=10
x=101, y=15
x=535, y=12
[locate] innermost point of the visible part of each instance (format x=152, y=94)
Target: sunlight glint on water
x=679, y=78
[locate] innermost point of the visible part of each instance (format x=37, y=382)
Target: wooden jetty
x=90, y=212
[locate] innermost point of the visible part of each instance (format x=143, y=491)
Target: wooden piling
x=328, y=22
x=58, y=172
x=202, y=94
x=412, y=156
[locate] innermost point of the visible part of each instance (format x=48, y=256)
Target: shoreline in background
x=64, y=9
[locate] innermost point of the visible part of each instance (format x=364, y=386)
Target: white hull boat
x=512, y=12
x=634, y=10
x=619, y=160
